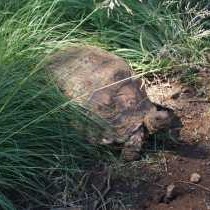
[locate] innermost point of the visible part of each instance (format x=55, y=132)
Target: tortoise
x=103, y=82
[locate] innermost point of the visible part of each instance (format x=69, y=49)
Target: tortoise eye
x=158, y=118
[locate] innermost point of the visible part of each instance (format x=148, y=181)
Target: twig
x=97, y=202
x=196, y=185
x=103, y=194
x=199, y=100
x=83, y=183
x=165, y=163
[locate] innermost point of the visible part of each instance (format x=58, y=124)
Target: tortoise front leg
x=132, y=147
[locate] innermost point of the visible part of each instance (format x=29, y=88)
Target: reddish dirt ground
x=142, y=185
x=192, y=105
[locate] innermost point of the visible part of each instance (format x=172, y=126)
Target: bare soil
x=142, y=185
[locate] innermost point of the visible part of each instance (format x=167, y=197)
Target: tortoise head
x=154, y=121
x=157, y=120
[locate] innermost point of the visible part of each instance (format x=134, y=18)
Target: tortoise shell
x=103, y=83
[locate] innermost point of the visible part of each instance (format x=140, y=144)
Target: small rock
x=181, y=169
x=172, y=192
x=195, y=178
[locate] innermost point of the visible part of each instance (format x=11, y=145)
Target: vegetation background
x=42, y=132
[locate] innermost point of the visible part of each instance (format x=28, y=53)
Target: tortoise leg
x=132, y=147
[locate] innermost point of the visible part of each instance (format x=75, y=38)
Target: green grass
x=42, y=133
x=38, y=134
